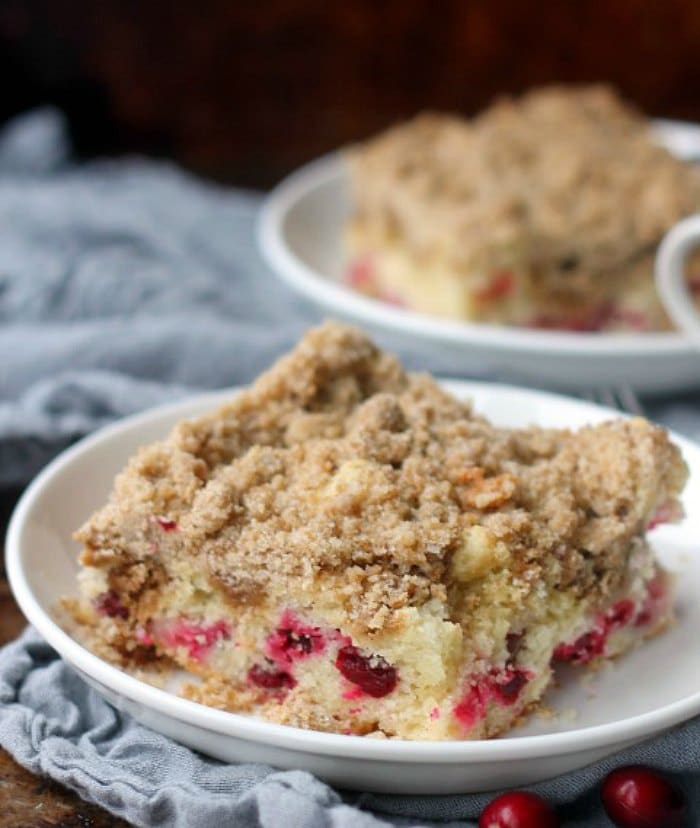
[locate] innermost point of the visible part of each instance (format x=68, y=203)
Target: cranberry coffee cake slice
x=346, y=547
x=544, y=211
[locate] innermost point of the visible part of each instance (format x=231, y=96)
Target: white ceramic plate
x=300, y=236
x=41, y=564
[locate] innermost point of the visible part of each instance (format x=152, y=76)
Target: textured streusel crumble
x=347, y=547
x=543, y=211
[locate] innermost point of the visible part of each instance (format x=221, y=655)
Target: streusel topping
x=572, y=178
x=337, y=467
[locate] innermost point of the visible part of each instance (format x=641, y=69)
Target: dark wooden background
x=245, y=91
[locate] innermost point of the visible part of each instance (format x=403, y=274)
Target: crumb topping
x=338, y=470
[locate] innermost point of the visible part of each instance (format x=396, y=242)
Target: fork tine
x=622, y=398
x=607, y=397
x=630, y=401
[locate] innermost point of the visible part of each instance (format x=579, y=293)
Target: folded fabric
x=123, y=285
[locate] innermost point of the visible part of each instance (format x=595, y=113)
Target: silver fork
x=620, y=397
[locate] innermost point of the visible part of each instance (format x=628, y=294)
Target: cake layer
x=626, y=302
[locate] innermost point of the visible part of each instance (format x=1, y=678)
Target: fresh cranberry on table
x=518, y=809
x=638, y=797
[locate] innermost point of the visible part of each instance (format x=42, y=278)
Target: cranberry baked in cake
x=543, y=211
x=346, y=547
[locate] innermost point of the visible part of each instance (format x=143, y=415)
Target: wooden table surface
x=28, y=801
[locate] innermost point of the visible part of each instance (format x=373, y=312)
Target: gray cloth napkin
x=122, y=285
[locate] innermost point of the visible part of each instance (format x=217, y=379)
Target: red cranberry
x=638, y=797
x=472, y=707
x=370, y=673
x=586, y=647
x=301, y=642
x=166, y=524
x=293, y=640
x=108, y=603
x=198, y=638
x=592, y=320
x=518, y=809
x=270, y=678
x=619, y=614
x=360, y=274
x=514, y=641
x=509, y=686
x=502, y=284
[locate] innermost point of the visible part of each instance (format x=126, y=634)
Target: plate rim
x=283, y=261
x=613, y=734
